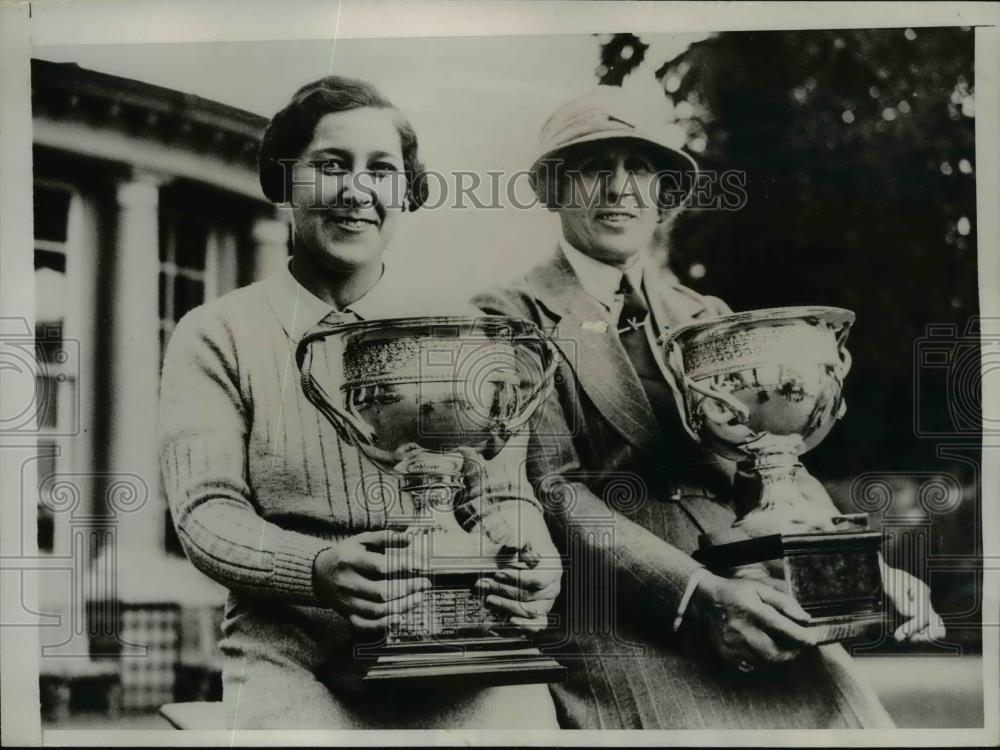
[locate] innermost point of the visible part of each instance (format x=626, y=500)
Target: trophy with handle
x=761, y=388
x=413, y=394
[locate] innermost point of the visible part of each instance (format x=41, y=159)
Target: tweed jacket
x=598, y=434
x=627, y=496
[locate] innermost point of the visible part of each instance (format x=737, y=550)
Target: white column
x=270, y=237
x=221, y=263
x=134, y=379
x=81, y=326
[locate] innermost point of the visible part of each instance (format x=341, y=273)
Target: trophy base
x=450, y=609
x=476, y=661
x=835, y=577
x=845, y=628
x=451, y=639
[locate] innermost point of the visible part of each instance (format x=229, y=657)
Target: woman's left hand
x=912, y=598
x=526, y=587
x=500, y=499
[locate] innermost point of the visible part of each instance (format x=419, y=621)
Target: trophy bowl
x=415, y=390
x=411, y=394
x=761, y=388
x=776, y=372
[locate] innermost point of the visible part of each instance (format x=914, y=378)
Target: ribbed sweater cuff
x=293, y=568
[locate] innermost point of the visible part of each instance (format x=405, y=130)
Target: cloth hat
x=609, y=112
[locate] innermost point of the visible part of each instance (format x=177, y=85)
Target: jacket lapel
x=599, y=360
x=672, y=305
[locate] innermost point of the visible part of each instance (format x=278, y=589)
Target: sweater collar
x=299, y=310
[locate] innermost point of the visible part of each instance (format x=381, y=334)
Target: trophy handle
x=673, y=370
x=844, y=366
x=350, y=428
x=542, y=390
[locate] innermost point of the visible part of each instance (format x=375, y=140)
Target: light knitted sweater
x=258, y=482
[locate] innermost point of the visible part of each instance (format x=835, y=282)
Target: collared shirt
x=602, y=281
x=299, y=310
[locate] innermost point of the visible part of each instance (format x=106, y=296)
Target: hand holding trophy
x=761, y=388
x=416, y=397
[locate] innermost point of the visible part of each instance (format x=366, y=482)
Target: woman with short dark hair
x=265, y=496
x=291, y=130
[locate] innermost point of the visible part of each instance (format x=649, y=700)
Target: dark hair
x=292, y=129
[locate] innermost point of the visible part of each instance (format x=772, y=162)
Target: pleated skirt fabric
x=646, y=677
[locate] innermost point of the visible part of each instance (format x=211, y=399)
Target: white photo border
x=115, y=21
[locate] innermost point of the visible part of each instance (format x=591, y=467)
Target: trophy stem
x=432, y=481
x=430, y=492
x=769, y=497
x=778, y=491
x=452, y=557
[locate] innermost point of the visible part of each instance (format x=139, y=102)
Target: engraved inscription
x=757, y=346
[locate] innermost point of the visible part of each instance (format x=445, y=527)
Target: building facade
x=146, y=204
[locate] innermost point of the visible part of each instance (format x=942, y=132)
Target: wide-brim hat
x=608, y=113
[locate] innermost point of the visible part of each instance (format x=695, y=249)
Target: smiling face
x=607, y=200
x=348, y=190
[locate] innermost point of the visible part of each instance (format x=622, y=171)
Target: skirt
x=278, y=674
x=641, y=675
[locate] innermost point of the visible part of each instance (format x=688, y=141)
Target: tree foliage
x=858, y=149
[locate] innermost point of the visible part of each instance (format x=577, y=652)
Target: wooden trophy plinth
x=835, y=577
x=452, y=638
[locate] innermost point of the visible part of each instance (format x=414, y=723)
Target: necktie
x=634, y=310
x=633, y=337
x=675, y=455
x=658, y=391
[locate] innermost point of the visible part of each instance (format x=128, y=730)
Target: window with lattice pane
x=56, y=408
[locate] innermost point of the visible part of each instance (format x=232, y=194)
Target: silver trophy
x=761, y=388
x=411, y=393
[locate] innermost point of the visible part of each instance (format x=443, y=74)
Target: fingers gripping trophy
x=763, y=387
x=421, y=397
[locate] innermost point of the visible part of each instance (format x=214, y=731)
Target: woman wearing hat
x=265, y=496
x=651, y=638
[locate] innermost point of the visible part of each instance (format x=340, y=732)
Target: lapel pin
x=596, y=326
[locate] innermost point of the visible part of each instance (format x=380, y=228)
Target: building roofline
x=90, y=107
x=71, y=79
